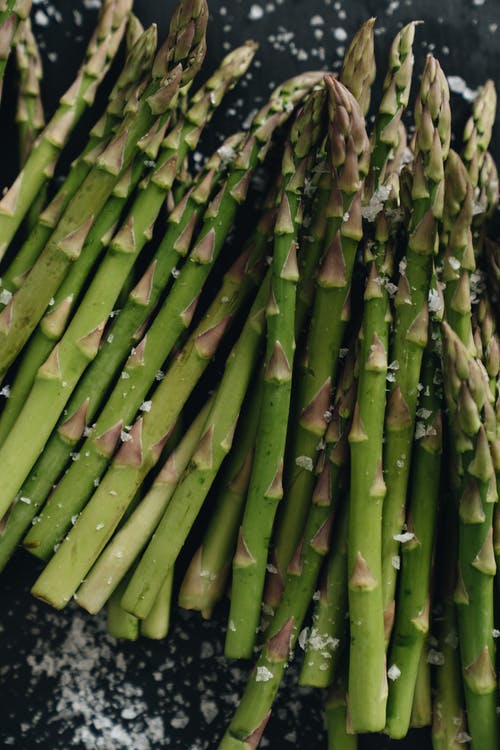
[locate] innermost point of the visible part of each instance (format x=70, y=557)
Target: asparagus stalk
x=467, y=393
x=396, y=92
x=327, y=638
x=175, y=64
x=213, y=447
x=127, y=544
x=121, y=624
x=11, y=15
x=458, y=260
x=265, y=489
x=432, y=114
x=340, y=737
x=138, y=62
x=255, y=706
x=412, y=610
x=207, y=576
x=92, y=388
x=100, y=52
x=478, y=129
x=448, y=720
x=359, y=68
x=29, y=113
x=421, y=710
x=55, y=337
x=79, y=344
x=157, y=622
x=325, y=336
x=178, y=309
x=140, y=453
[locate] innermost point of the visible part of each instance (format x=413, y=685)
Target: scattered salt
x=256, y=12
x=263, y=674
x=304, y=462
x=394, y=672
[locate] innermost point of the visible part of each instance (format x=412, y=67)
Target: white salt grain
x=256, y=12
x=263, y=674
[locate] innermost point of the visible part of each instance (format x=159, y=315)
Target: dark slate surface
x=63, y=682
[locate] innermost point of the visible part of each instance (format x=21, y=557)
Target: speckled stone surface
x=64, y=683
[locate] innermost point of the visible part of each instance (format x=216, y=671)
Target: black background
x=465, y=36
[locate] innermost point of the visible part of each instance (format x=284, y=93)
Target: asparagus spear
x=54, y=332
x=178, y=309
x=140, y=452
x=100, y=52
x=175, y=64
x=325, y=336
x=79, y=344
x=432, y=114
x=327, y=638
x=255, y=706
x=421, y=710
x=412, y=609
x=127, y=544
x=121, y=624
x=359, y=69
x=467, y=393
x=29, y=113
x=213, y=447
x=93, y=386
x=156, y=624
x=138, y=62
x=477, y=132
x=12, y=13
x=206, y=578
x=265, y=489
x=340, y=736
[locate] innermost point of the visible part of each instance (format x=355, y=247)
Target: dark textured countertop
x=64, y=683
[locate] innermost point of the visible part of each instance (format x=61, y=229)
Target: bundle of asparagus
x=326, y=397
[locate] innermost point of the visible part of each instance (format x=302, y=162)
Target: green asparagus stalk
x=175, y=315
x=207, y=576
x=432, y=114
x=458, y=260
x=421, y=710
x=121, y=624
x=340, y=736
x=29, y=114
x=175, y=64
x=265, y=489
x=92, y=388
x=140, y=452
x=53, y=386
x=12, y=14
x=54, y=334
x=213, y=447
x=138, y=63
x=359, y=68
x=156, y=624
x=477, y=132
x=327, y=638
x=325, y=336
x=127, y=544
x=396, y=92
x=264, y=681
x=448, y=720
x=467, y=393
x=135, y=30
x=99, y=54
x=412, y=609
